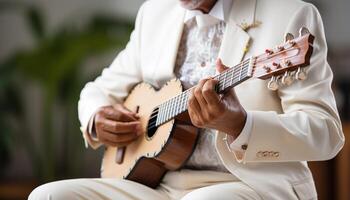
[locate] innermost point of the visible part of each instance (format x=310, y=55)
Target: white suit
x=294, y=124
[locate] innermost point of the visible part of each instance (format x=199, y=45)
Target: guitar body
x=147, y=159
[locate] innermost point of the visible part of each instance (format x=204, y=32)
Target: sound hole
x=152, y=123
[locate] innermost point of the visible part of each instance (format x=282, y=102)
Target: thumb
x=219, y=66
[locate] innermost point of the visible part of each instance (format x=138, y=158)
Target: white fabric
x=295, y=124
x=178, y=185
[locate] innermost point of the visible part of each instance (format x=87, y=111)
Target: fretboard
x=226, y=80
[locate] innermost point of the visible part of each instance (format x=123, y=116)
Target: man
x=254, y=142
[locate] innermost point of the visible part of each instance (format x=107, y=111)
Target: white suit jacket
x=292, y=125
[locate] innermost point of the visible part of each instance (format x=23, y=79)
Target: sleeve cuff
x=89, y=135
x=241, y=142
x=90, y=128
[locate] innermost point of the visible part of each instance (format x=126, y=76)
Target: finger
x=120, y=138
x=127, y=111
x=194, y=111
x=118, y=115
x=121, y=127
x=231, y=94
x=209, y=94
x=107, y=142
x=219, y=66
x=193, y=103
x=195, y=117
x=198, y=93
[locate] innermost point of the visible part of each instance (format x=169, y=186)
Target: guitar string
x=222, y=86
x=176, y=98
x=220, y=76
x=242, y=67
x=174, y=101
x=171, y=102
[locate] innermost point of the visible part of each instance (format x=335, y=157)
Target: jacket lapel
x=236, y=40
x=171, y=38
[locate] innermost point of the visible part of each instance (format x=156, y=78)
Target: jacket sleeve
x=309, y=128
x=113, y=85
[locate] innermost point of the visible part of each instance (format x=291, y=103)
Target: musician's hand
x=208, y=110
x=116, y=125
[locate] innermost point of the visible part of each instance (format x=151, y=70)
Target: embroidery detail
x=246, y=27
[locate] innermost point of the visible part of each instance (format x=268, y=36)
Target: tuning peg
x=300, y=74
x=272, y=85
x=288, y=37
x=269, y=51
x=287, y=79
x=287, y=63
x=277, y=65
x=303, y=31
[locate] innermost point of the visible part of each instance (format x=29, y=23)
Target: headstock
x=285, y=62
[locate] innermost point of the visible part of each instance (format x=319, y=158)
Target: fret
x=232, y=74
x=161, y=114
x=184, y=101
x=172, y=108
x=186, y=98
x=178, y=104
x=221, y=86
x=166, y=111
x=236, y=78
x=175, y=105
x=240, y=73
x=224, y=81
x=181, y=102
x=158, y=115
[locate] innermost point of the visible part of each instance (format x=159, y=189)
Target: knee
x=222, y=192
x=201, y=194
x=58, y=190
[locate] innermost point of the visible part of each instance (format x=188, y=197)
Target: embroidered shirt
x=196, y=58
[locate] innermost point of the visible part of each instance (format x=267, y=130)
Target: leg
x=95, y=189
x=223, y=191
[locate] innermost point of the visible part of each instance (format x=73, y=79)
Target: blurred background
x=50, y=48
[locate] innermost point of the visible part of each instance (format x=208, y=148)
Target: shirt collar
x=219, y=12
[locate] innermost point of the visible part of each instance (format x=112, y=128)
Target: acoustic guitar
x=168, y=137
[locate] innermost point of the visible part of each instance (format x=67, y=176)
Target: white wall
x=336, y=17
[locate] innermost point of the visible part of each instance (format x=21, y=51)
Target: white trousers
x=185, y=185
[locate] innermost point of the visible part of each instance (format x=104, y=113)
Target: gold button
x=276, y=154
x=244, y=146
x=265, y=153
x=259, y=154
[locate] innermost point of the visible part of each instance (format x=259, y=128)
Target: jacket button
x=244, y=146
x=259, y=154
x=271, y=153
x=265, y=153
x=276, y=154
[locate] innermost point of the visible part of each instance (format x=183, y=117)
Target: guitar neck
x=226, y=80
